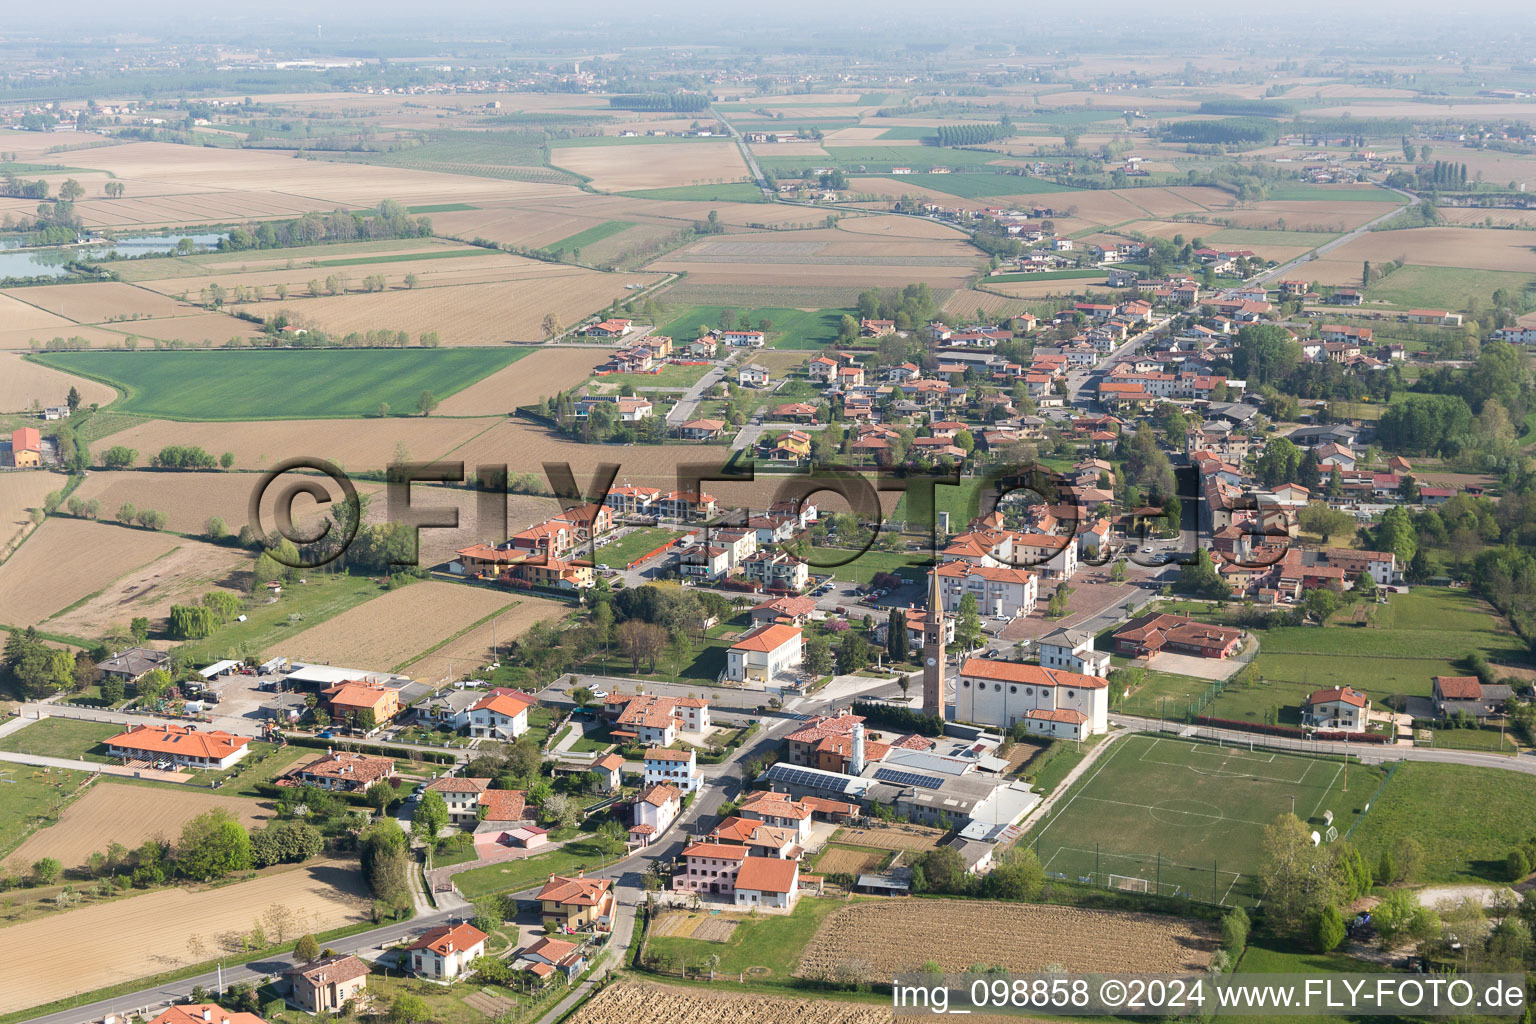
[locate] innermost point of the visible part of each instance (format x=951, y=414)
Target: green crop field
x=1443, y=287
x=789, y=328
x=1466, y=818
x=282, y=384
x=1046, y=275
x=725, y=192
x=33, y=796
x=910, y=131
x=1187, y=818
x=401, y=257
x=596, y=233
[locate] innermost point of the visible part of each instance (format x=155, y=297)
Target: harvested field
x=476, y=314
x=66, y=560
x=20, y=493
x=113, y=812
x=356, y=444
x=850, y=860
x=753, y=296
x=630, y=168
x=438, y=267
x=965, y=302
x=892, y=936
x=1473, y=248
x=181, y=577
x=23, y=340
x=20, y=315
x=900, y=227
x=64, y=953
x=1497, y=218
x=211, y=328
x=915, y=838
x=631, y=1002
x=23, y=382
x=474, y=647
x=682, y=924
x=189, y=499
x=1297, y=215
x=95, y=302
x=395, y=628
x=531, y=378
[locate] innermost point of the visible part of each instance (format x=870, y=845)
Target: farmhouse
x=1454, y=695
x=1176, y=634
x=131, y=665
x=1340, y=709
x=576, y=903
x=182, y=745
x=764, y=654
x=26, y=448
x=344, y=771
x=445, y=952
x=325, y=985
x=1053, y=703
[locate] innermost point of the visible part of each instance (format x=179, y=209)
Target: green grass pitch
x=1186, y=818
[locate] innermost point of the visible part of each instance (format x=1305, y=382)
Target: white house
x=1341, y=709
x=655, y=809
x=743, y=339
x=679, y=768
x=462, y=797
x=779, y=810
x=1053, y=702
x=445, y=952
x=184, y=746
x=768, y=882
x=1073, y=650
x=752, y=376
x=502, y=715
x=998, y=590
x=730, y=870
x=764, y=654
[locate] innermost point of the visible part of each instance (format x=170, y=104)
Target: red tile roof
x=1346, y=694
x=1038, y=675
x=767, y=638
x=576, y=892
x=445, y=939
x=504, y=804
x=181, y=740
x=767, y=874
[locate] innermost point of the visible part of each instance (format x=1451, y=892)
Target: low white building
x=768, y=882
x=1073, y=650
x=1052, y=702
x=655, y=809
x=1341, y=709
x=998, y=590
x=764, y=654
x=445, y=952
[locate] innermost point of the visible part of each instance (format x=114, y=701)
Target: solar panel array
x=809, y=779
x=907, y=778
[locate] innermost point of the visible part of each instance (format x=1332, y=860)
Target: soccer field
x=1185, y=818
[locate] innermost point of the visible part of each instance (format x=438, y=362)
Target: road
x=1286, y=268
x=1077, y=380
x=682, y=412
x=746, y=154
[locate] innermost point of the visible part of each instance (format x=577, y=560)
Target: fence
x=1363, y=752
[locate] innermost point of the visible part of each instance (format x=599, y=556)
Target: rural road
x=1344, y=239
x=682, y=411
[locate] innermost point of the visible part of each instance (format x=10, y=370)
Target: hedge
x=1293, y=732
x=400, y=753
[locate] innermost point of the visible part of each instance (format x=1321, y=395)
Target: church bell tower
x=933, y=653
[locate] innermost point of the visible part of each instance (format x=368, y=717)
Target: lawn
x=1164, y=695
x=517, y=875
x=788, y=328
x=1491, y=741
x=301, y=605
x=726, y=192
x=596, y=233
x=1046, y=275
x=1466, y=818
x=285, y=384
x=961, y=501
x=771, y=941
x=1443, y=287
x=70, y=738
x=862, y=568
x=671, y=375
x=1188, y=817
x=705, y=665
x=625, y=550
x=32, y=796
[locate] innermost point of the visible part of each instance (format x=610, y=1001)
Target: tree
x=212, y=845
x=227, y=460
x=1018, y=875
x=552, y=327
x=1279, y=462
x=112, y=689
x=118, y=457
x=214, y=527
x=1234, y=932
x=816, y=656
x=1296, y=877
x=426, y=403
x=582, y=695
x=1265, y=354
x=940, y=870
x=379, y=796
x=430, y=816
x=409, y=1009
x=46, y=871
x=1327, y=929
x=897, y=641
x=307, y=949
x=73, y=400
x=71, y=190
x=1201, y=578
x=642, y=641
x=968, y=623
x=1318, y=518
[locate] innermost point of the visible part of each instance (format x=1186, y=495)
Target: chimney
x=856, y=762
x=207, y=1013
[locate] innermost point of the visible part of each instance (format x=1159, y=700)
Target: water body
x=50, y=261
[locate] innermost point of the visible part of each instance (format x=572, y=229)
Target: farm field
x=627, y=168
x=1188, y=817
x=1464, y=839
x=66, y=560
x=1474, y=248
x=19, y=494
x=189, y=499
x=428, y=268
x=96, y=302
x=111, y=812
x=355, y=444
x=183, y=575
x=467, y=652
x=21, y=316
x=912, y=838
x=63, y=954
x=542, y=372
x=1443, y=287
x=633, y=1002
x=202, y=329
x=493, y=313
x=23, y=382
x=241, y=385
x=892, y=936
x=823, y=257
x=790, y=328
x=395, y=627
x=33, y=798
x=851, y=860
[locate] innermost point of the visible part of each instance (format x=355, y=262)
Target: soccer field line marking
x=1149, y=808
x=1149, y=860
x=1235, y=880
x=1326, y=790
x=1239, y=773
x=1080, y=787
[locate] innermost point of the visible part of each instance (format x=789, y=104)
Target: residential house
x=1441, y=317
x=131, y=665
x=822, y=369
x=325, y=985
x=776, y=572
x=203, y=1013
x=576, y=904
x=549, y=956
x=656, y=720
x=1340, y=709
x=1154, y=633
x=765, y=654
x=677, y=768
x=502, y=714
x=743, y=339
x=445, y=952
x=344, y=771
x=609, y=772
x=876, y=328
x=701, y=430
x=462, y=795
x=1072, y=650
x=999, y=590
x=615, y=328
x=26, y=448
x=1331, y=454
x=369, y=705
x=655, y=809
x=753, y=376
x=728, y=869
x=1467, y=695
x=181, y=745
x=795, y=611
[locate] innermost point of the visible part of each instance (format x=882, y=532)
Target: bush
x=1327, y=929
x=1234, y=931
x=1516, y=866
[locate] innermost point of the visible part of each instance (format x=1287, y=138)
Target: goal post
x=1129, y=883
